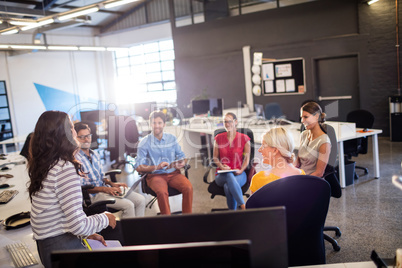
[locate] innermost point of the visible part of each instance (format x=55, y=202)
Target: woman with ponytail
x=315, y=145
x=277, y=152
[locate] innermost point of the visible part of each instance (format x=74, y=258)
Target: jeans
x=60, y=242
x=232, y=185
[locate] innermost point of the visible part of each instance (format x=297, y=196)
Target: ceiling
x=36, y=9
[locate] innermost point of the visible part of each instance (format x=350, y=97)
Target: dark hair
x=80, y=126
x=314, y=108
x=232, y=115
x=52, y=141
x=156, y=114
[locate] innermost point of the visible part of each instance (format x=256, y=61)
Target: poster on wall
x=283, y=77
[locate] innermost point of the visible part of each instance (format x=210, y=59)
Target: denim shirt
x=151, y=152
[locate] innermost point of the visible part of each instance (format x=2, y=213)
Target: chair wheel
x=338, y=233
x=337, y=248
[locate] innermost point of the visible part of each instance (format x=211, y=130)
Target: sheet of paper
x=95, y=244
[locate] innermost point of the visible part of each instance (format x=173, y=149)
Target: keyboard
x=21, y=255
x=7, y=195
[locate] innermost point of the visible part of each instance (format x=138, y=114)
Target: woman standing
x=315, y=145
x=57, y=219
x=232, y=151
x=277, y=151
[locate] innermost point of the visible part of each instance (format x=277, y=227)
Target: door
x=337, y=86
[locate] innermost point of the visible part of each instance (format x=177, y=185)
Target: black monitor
x=264, y=227
x=90, y=116
x=259, y=110
x=199, y=254
x=144, y=109
x=213, y=106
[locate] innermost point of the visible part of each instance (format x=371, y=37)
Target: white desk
x=16, y=140
x=19, y=203
x=190, y=145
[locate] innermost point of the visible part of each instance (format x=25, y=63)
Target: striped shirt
x=57, y=208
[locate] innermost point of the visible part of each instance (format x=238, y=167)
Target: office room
x=349, y=52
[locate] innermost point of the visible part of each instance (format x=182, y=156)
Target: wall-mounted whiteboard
x=284, y=76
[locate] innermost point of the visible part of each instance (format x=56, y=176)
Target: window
x=145, y=73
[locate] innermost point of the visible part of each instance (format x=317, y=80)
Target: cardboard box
x=343, y=129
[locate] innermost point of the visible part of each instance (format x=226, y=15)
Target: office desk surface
x=19, y=203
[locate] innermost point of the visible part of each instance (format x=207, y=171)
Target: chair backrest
x=362, y=118
x=273, y=110
x=334, y=144
x=306, y=199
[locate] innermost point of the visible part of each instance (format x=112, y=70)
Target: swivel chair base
x=331, y=240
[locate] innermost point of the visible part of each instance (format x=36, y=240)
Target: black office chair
x=363, y=119
x=331, y=176
x=123, y=139
x=172, y=191
x=305, y=214
x=273, y=111
x=213, y=188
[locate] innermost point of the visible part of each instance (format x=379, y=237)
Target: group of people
x=61, y=161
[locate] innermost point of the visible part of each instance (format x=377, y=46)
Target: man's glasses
x=83, y=137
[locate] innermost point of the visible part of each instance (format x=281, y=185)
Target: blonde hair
x=282, y=140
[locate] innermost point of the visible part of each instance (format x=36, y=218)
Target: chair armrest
x=112, y=174
x=186, y=168
x=102, y=203
x=209, y=168
x=87, y=187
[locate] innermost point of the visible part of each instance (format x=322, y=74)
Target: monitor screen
x=265, y=228
x=213, y=106
x=199, y=254
x=144, y=109
x=259, y=110
x=90, y=116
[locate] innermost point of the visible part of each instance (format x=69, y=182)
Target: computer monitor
x=90, y=116
x=199, y=254
x=144, y=109
x=213, y=106
x=264, y=227
x=259, y=110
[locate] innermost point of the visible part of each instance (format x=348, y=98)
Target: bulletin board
x=283, y=77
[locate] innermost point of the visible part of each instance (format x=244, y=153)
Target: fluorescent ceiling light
x=38, y=24
x=62, y=47
x=118, y=3
x=21, y=22
x=93, y=48
x=372, y=2
x=3, y=46
x=79, y=13
x=27, y=47
x=13, y=31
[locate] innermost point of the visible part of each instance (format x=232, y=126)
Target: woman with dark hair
x=315, y=145
x=232, y=151
x=57, y=219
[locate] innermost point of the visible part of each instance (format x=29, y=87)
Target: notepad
x=227, y=170
x=95, y=244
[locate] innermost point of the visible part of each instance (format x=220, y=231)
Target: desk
x=15, y=140
x=18, y=204
x=191, y=146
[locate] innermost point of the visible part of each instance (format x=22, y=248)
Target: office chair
x=213, y=188
x=99, y=206
x=305, y=214
x=330, y=175
x=123, y=139
x=273, y=111
x=147, y=190
x=25, y=149
x=363, y=119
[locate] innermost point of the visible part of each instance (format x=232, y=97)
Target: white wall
x=88, y=74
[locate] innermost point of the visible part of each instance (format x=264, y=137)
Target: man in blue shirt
x=132, y=205
x=157, y=154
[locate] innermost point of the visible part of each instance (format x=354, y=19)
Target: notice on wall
x=283, y=70
x=268, y=71
x=280, y=85
x=269, y=86
x=290, y=85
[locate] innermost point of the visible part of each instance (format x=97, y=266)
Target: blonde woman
x=277, y=152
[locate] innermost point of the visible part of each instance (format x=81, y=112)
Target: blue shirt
x=151, y=152
x=92, y=166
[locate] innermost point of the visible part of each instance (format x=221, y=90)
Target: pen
x=87, y=244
